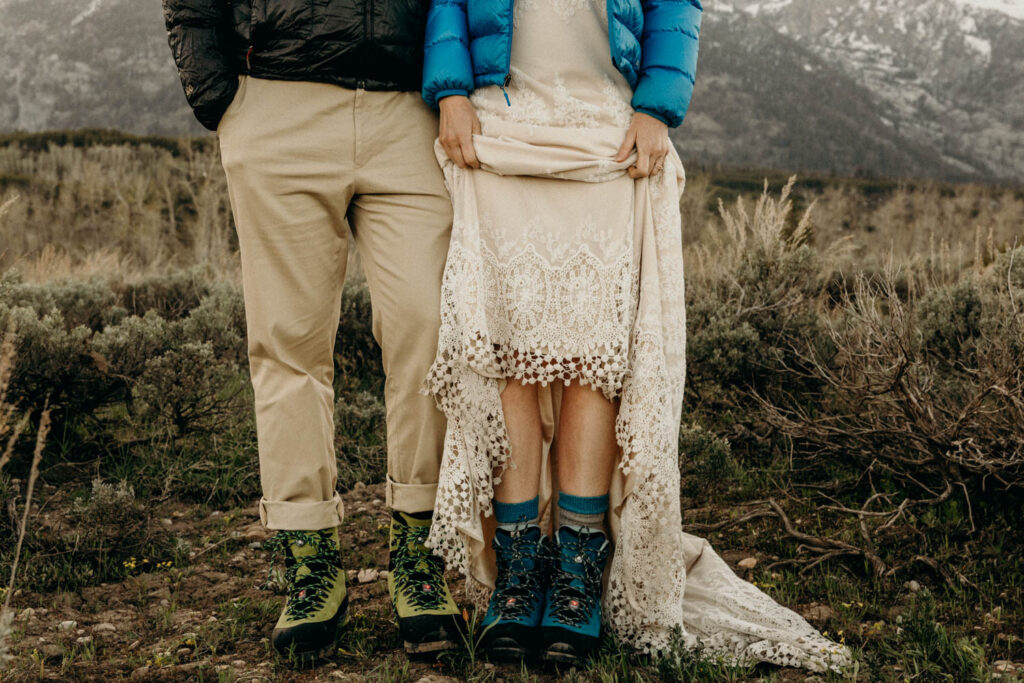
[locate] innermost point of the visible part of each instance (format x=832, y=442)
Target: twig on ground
x=827, y=545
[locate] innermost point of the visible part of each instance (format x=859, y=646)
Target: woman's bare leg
x=587, y=449
x=521, y=481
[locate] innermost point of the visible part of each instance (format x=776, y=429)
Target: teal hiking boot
x=510, y=626
x=428, y=618
x=571, y=626
x=316, y=606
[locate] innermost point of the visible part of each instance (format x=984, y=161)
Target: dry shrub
x=755, y=289
x=166, y=347
x=144, y=205
x=929, y=392
x=890, y=391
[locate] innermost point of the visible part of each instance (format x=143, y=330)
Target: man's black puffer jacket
x=372, y=44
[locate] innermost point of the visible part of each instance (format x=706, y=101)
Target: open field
x=854, y=422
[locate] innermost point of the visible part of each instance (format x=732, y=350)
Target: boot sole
x=560, y=658
x=506, y=650
x=310, y=658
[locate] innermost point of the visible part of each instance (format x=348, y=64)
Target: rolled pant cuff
x=284, y=516
x=410, y=497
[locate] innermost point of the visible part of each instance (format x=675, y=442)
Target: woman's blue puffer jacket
x=653, y=43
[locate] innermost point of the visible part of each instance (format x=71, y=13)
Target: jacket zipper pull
x=505, y=84
x=248, y=59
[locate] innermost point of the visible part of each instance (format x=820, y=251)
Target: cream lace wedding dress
x=563, y=268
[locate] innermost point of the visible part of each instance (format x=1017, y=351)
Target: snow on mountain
x=1012, y=8
x=895, y=87
x=948, y=74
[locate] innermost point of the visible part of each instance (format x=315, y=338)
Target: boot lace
x=418, y=572
x=575, y=596
x=517, y=586
x=307, y=593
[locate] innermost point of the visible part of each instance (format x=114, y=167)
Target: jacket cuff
x=650, y=112
x=449, y=93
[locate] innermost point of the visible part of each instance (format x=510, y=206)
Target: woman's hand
x=650, y=138
x=458, y=124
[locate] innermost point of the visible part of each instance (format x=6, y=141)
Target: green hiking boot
x=428, y=618
x=316, y=607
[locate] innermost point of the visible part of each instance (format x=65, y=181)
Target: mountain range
x=922, y=88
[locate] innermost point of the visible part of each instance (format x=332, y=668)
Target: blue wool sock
x=582, y=511
x=516, y=513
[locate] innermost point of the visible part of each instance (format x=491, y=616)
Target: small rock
x=815, y=612
x=140, y=674
x=164, y=602
x=84, y=640
x=377, y=502
x=238, y=664
x=1005, y=666
x=748, y=562
x=105, y=627
x=367, y=575
x=913, y=586
x=67, y=625
x=351, y=575
x=183, y=652
x=215, y=514
x=167, y=521
x=359, y=485
x=80, y=632
x=362, y=508
x=26, y=614
x=255, y=545
x=134, y=645
x=42, y=611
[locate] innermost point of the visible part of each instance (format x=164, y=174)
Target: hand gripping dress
x=562, y=268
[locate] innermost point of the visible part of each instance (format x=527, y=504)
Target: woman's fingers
x=627, y=145
x=642, y=167
x=458, y=124
x=469, y=152
x=659, y=163
x=454, y=152
x=652, y=145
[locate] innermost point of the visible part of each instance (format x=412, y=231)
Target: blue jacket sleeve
x=668, y=63
x=447, y=67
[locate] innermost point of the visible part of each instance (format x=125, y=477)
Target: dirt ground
x=211, y=620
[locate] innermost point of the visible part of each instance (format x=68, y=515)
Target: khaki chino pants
x=308, y=163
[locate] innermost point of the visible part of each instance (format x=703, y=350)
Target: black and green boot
x=428, y=618
x=316, y=607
